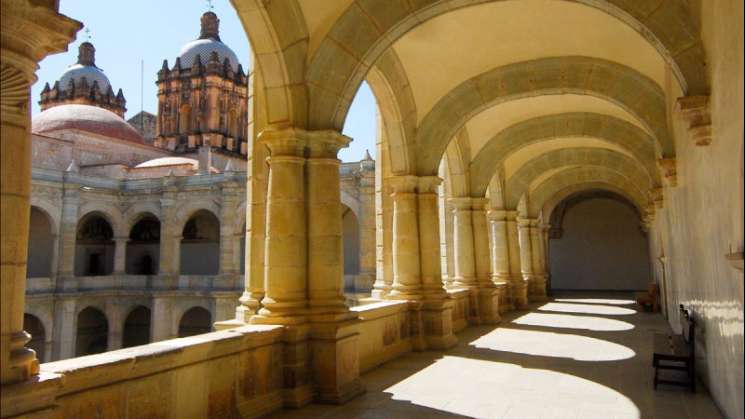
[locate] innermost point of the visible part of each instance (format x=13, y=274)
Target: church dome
x=85, y=67
x=207, y=43
x=86, y=118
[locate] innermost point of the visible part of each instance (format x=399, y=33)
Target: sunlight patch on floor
x=557, y=345
x=596, y=301
x=479, y=388
x=587, y=309
x=567, y=321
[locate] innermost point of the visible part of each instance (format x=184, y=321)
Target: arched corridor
x=136, y=329
x=41, y=241
x=143, y=247
x=195, y=321
x=200, y=244
x=94, y=246
x=92, y=333
x=596, y=243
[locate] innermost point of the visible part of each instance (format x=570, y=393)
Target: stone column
x=406, y=268
x=162, y=325
x=120, y=254
x=463, y=254
x=333, y=331
x=538, y=287
x=437, y=317
x=116, y=329
x=64, y=331
x=499, y=257
x=169, y=263
x=285, y=273
x=545, y=230
x=383, y=222
x=526, y=251
x=229, y=264
x=488, y=291
x=365, y=279
x=30, y=31
x=518, y=284
x=68, y=233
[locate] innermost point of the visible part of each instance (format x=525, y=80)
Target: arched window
x=94, y=247
x=143, y=247
x=200, y=245
x=136, y=329
x=92, y=332
x=40, y=245
x=195, y=321
x=33, y=326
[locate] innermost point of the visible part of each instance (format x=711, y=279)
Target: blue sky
x=128, y=33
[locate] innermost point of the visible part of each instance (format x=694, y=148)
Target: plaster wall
x=602, y=248
x=702, y=220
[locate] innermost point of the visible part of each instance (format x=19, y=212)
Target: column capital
x=403, y=184
x=479, y=204
x=496, y=214
x=284, y=141
x=527, y=222
x=460, y=204
x=669, y=172
x=428, y=184
x=326, y=143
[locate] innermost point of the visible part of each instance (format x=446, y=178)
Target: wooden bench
x=676, y=352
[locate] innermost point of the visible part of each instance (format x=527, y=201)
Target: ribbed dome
x=204, y=48
x=85, y=118
x=76, y=72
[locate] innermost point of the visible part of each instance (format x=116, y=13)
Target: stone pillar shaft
x=325, y=247
x=120, y=254
x=538, y=286
x=465, y=269
x=429, y=238
x=518, y=283
x=285, y=267
x=406, y=264
x=499, y=257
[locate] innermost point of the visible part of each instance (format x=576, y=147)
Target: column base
x=297, y=387
x=489, y=305
x=520, y=294
x=437, y=319
x=538, y=289
x=335, y=361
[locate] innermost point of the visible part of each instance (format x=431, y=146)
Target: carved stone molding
x=695, y=110
x=669, y=173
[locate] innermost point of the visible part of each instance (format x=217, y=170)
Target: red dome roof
x=85, y=118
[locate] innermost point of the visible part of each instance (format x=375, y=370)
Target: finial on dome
x=367, y=155
x=210, y=26
x=87, y=54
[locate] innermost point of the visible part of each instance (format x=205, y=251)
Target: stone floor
x=577, y=356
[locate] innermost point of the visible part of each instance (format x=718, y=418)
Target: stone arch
x=667, y=26
x=606, y=80
x=142, y=256
x=94, y=245
x=457, y=155
x=519, y=183
x=109, y=211
x=579, y=177
x=189, y=209
x=200, y=244
x=550, y=205
x=136, y=328
x=34, y=326
x=279, y=41
x=51, y=210
x=195, y=321
x=350, y=202
x=614, y=130
x=92, y=331
x=41, y=241
x=134, y=213
x=397, y=110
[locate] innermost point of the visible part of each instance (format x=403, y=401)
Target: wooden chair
x=649, y=300
x=676, y=352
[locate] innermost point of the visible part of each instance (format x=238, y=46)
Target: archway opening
x=92, y=332
x=195, y=321
x=200, y=245
x=596, y=243
x=40, y=245
x=35, y=328
x=136, y=329
x=94, y=247
x=351, y=243
x=143, y=247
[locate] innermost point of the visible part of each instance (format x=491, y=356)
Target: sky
x=134, y=34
